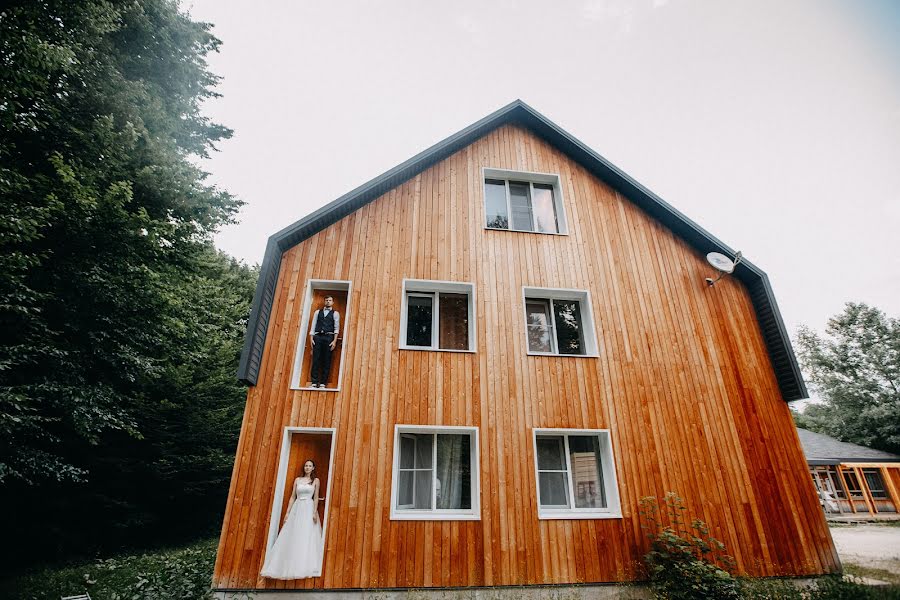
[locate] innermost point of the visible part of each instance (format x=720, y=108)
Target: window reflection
x=569, y=337
x=495, y=204
x=539, y=325
x=587, y=475
x=419, y=320
x=520, y=205
x=544, y=209
x=454, y=322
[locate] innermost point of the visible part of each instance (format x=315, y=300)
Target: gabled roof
x=518, y=113
x=825, y=450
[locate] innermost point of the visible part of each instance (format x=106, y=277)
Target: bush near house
x=686, y=563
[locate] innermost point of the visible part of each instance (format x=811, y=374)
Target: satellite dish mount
x=722, y=264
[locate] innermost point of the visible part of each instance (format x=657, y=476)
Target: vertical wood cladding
x=683, y=382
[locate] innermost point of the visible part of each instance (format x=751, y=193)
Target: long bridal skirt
x=297, y=553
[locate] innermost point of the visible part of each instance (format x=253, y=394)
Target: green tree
x=121, y=325
x=855, y=370
x=99, y=119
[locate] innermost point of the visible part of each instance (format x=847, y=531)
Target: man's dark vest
x=325, y=324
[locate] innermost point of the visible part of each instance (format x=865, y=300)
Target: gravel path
x=872, y=546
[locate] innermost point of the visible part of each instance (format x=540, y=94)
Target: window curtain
x=552, y=477
x=415, y=471
x=453, y=472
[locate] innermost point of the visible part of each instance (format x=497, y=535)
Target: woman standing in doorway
x=297, y=552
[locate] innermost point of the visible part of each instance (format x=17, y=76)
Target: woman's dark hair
x=312, y=474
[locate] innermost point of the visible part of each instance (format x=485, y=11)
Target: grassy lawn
x=179, y=574
x=891, y=577
x=185, y=573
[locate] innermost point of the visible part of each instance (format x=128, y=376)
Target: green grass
x=179, y=574
x=881, y=574
x=185, y=573
x=891, y=523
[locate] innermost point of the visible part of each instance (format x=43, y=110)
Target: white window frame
x=433, y=288
x=613, y=508
x=591, y=349
x=281, y=479
x=437, y=514
x=506, y=175
x=320, y=284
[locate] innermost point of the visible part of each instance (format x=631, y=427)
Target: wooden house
x=528, y=347
x=853, y=482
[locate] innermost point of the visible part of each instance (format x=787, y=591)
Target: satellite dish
x=720, y=262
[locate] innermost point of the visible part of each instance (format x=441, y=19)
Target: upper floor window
x=559, y=321
x=520, y=201
x=437, y=315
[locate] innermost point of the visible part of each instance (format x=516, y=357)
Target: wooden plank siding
x=683, y=382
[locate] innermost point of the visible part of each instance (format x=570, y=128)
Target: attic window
x=520, y=201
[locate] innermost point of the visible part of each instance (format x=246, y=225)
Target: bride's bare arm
x=291, y=502
x=316, y=500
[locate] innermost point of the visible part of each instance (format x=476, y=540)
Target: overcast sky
x=774, y=125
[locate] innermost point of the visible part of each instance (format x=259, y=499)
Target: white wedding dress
x=297, y=552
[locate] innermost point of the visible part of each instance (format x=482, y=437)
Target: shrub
x=174, y=574
x=684, y=562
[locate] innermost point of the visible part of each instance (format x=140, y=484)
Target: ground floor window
x=875, y=483
x=880, y=496
x=435, y=473
x=831, y=492
x=575, y=474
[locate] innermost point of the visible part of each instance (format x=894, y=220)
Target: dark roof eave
x=775, y=334
x=818, y=461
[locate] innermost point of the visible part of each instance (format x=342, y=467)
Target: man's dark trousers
x=321, y=358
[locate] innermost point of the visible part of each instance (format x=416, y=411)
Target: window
x=559, y=322
x=437, y=315
x=576, y=478
x=435, y=473
x=875, y=483
x=523, y=201
x=853, y=484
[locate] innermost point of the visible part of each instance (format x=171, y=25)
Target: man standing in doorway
x=323, y=333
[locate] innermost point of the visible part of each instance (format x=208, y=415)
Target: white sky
x=774, y=125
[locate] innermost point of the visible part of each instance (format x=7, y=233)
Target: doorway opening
x=316, y=292
x=298, y=445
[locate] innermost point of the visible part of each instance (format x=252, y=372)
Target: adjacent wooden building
x=853, y=482
x=528, y=348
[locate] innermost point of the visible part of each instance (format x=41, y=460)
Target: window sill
x=433, y=516
x=315, y=389
x=530, y=353
x=423, y=349
x=566, y=234
x=579, y=515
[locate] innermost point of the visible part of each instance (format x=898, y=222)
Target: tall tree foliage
x=120, y=325
x=855, y=369
x=100, y=113
x=171, y=482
